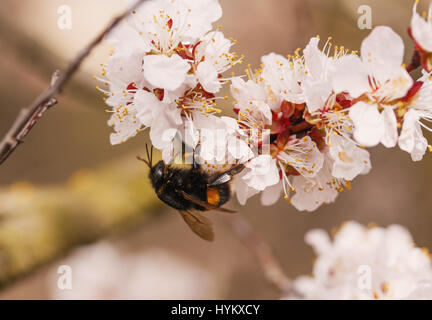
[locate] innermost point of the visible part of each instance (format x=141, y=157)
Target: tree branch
x=415, y=61
x=272, y=269
x=41, y=224
x=29, y=116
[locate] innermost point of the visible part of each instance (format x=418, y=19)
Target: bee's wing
x=198, y=224
x=203, y=204
x=226, y=176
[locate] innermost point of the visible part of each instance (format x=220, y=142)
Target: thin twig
x=272, y=269
x=29, y=116
x=415, y=61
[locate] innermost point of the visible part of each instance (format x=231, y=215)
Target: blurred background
x=67, y=186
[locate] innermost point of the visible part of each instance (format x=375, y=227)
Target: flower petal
x=349, y=160
x=271, y=194
x=243, y=190
x=421, y=30
x=145, y=102
x=165, y=72
x=261, y=172
x=316, y=93
x=368, y=124
x=208, y=77
x=350, y=75
x=411, y=139
x=310, y=196
x=315, y=59
x=390, y=137
x=382, y=51
x=163, y=131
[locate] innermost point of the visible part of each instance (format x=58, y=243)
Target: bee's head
x=159, y=172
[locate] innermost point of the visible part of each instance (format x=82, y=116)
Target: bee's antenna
x=148, y=162
x=151, y=155
x=148, y=154
x=145, y=161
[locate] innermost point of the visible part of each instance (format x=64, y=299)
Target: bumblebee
x=192, y=191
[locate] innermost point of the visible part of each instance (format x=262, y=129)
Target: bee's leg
x=226, y=176
x=165, y=194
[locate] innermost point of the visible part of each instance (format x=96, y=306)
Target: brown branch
x=415, y=61
x=272, y=269
x=39, y=224
x=29, y=116
x=300, y=127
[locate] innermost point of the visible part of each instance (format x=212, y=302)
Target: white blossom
x=349, y=159
x=282, y=78
x=419, y=109
x=367, y=263
x=411, y=138
x=311, y=193
x=165, y=70
x=261, y=172
x=379, y=73
x=421, y=28
x=317, y=85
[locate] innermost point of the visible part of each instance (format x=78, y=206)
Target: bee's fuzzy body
x=168, y=180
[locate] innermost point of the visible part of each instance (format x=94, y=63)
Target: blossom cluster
x=303, y=122
x=165, y=71
x=366, y=263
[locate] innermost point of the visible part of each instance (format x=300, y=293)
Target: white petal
x=421, y=30
x=125, y=68
x=349, y=160
x=316, y=93
x=239, y=149
x=163, y=131
x=215, y=46
x=126, y=129
x=201, y=16
x=304, y=156
x=319, y=240
x=315, y=59
x=397, y=87
x=390, y=137
x=245, y=91
x=383, y=52
x=167, y=153
x=165, y=72
x=208, y=77
x=310, y=196
x=350, y=75
x=243, y=190
x=145, y=102
x=230, y=123
x=127, y=40
x=282, y=80
x=261, y=172
x=411, y=139
x=263, y=110
x=368, y=124
x=271, y=194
